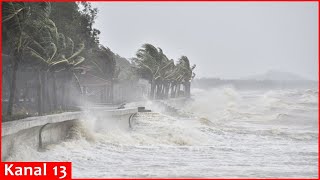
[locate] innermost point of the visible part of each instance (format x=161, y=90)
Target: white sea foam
x=229, y=133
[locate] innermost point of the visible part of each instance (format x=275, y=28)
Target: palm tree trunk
x=26, y=92
x=48, y=95
x=157, y=91
x=104, y=94
x=187, y=89
x=68, y=83
x=178, y=89
x=54, y=81
x=111, y=92
x=13, y=87
x=40, y=110
x=172, y=91
x=152, y=89
x=175, y=90
x=166, y=94
x=63, y=101
x=44, y=92
x=107, y=93
x=65, y=91
x=161, y=91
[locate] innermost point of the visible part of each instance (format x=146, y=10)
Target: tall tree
x=188, y=74
x=105, y=69
x=152, y=64
x=18, y=21
x=57, y=55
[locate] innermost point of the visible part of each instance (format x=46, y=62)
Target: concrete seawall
x=37, y=132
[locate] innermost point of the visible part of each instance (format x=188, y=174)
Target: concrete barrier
x=38, y=132
x=27, y=123
x=105, y=120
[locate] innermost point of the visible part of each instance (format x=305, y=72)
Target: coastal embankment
x=38, y=132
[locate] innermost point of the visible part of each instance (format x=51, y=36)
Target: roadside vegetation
x=53, y=60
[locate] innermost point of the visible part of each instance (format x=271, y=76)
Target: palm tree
x=176, y=80
x=187, y=73
x=172, y=77
x=54, y=53
x=17, y=19
x=105, y=69
x=41, y=52
x=43, y=48
x=152, y=64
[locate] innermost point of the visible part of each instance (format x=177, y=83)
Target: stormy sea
x=220, y=132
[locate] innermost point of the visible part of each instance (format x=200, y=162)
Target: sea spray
x=81, y=129
x=231, y=133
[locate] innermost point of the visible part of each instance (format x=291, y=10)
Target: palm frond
x=96, y=65
x=78, y=82
x=69, y=46
x=79, y=61
x=79, y=50
x=59, y=65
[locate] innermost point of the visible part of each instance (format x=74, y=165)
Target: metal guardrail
x=130, y=120
x=12, y=127
x=40, y=136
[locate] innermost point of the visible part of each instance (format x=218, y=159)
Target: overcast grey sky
x=227, y=40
